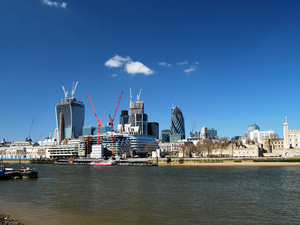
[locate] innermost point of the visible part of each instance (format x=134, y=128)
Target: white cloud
x=129, y=66
x=55, y=4
x=137, y=67
x=197, y=63
x=164, y=64
x=182, y=63
x=117, y=61
x=189, y=70
x=114, y=75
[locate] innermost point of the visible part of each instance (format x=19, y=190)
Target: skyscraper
x=69, y=116
x=137, y=116
x=177, y=123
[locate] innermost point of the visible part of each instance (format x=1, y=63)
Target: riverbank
x=168, y=161
x=5, y=219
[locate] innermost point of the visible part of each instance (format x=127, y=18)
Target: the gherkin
x=177, y=122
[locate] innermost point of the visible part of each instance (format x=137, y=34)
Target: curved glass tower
x=69, y=116
x=177, y=122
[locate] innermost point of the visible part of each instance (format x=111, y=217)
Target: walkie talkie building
x=177, y=123
x=69, y=116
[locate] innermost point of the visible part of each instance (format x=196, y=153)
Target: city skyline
x=225, y=64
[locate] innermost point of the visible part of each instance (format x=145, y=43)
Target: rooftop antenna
x=138, y=97
x=66, y=93
x=74, y=89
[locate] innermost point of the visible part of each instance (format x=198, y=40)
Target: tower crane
x=98, y=121
x=29, y=138
x=194, y=129
x=112, y=123
x=74, y=89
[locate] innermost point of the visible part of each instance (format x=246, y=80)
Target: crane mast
x=98, y=121
x=112, y=123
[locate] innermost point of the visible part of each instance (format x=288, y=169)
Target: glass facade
x=177, y=122
x=89, y=130
x=139, y=142
x=70, y=115
x=153, y=129
x=124, y=118
x=165, y=136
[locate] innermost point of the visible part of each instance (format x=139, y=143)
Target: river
x=82, y=194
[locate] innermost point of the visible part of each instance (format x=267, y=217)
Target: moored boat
x=26, y=172
x=4, y=175
x=136, y=163
x=108, y=162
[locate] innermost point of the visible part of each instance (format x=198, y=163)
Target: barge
x=23, y=173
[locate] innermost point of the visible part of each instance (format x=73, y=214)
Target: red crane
x=98, y=121
x=112, y=123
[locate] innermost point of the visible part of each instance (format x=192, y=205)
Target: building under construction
x=137, y=117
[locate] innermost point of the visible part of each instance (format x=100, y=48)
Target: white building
x=258, y=135
x=291, y=137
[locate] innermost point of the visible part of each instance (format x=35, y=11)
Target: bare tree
x=149, y=147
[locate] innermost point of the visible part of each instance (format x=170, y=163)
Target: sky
x=226, y=64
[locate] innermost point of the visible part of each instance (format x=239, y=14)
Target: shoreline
x=243, y=164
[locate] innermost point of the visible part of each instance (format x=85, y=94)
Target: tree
x=149, y=147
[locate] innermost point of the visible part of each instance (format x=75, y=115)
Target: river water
x=81, y=194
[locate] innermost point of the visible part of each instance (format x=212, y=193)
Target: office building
x=69, y=116
x=165, y=136
x=177, y=124
x=153, y=129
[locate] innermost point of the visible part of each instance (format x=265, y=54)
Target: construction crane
x=112, y=123
x=194, y=129
x=98, y=121
x=74, y=89
x=29, y=138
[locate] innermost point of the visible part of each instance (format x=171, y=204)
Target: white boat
x=108, y=162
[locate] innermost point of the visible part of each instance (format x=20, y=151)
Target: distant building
x=212, y=133
x=69, y=117
x=137, y=117
x=89, y=130
x=124, y=118
x=177, y=124
x=165, y=136
x=251, y=128
x=141, y=144
x=254, y=133
x=153, y=129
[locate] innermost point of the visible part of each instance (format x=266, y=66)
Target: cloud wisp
x=182, y=63
x=55, y=4
x=130, y=66
x=164, y=64
x=188, y=71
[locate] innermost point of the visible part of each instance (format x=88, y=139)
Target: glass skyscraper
x=69, y=118
x=177, y=123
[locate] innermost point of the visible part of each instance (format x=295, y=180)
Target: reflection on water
x=155, y=195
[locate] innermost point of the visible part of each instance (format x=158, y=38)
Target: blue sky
x=226, y=64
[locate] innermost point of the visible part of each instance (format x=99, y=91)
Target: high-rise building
x=177, y=123
x=123, y=118
x=153, y=129
x=137, y=117
x=69, y=116
x=165, y=136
